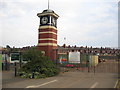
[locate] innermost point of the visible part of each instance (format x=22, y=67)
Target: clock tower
x=47, y=33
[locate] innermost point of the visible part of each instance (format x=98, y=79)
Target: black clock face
x=48, y=20
x=53, y=21
x=44, y=20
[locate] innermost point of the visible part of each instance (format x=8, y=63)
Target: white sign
x=74, y=57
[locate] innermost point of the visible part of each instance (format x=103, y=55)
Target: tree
x=38, y=64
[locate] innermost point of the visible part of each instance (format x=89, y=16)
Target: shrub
x=38, y=64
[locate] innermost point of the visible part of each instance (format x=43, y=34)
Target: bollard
x=88, y=69
x=33, y=74
x=2, y=66
x=6, y=65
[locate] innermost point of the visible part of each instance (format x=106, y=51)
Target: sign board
x=15, y=57
x=74, y=57
x=94, y=60
x=63, y=58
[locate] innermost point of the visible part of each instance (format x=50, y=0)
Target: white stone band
x=45, y=27
x=48, y=32
x=48, y=39
x=47, y=44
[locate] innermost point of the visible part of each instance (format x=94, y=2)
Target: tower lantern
x=47, y=33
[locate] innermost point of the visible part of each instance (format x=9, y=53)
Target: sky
x=81, y=22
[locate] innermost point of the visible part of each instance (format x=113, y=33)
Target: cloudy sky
x=81, y=22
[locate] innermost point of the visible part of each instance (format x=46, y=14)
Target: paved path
x=71, y=79
x=0, y=79
x=66, y=80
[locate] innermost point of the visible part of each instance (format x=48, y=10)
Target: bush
x=38, y=64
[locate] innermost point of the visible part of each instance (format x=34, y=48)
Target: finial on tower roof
x=48, y=4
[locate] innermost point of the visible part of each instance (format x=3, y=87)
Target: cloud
x=90, y=22
x=80, y=21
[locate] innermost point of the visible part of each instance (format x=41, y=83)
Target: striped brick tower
x=47, y=33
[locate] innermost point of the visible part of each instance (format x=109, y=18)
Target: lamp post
x=20, y=59
x=88, y=61
x=6, y=59
x=56, y=56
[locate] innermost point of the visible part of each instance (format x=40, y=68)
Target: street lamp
x=20, y=59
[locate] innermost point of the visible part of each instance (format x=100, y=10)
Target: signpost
x=15, y=69
x=15, y=58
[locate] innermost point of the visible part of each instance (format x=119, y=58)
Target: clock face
x=53, y=21
x=44, y=20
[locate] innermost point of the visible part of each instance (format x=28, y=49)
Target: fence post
x=88, y=69
x=88, y=66
x=94, y=69
x=2, y=66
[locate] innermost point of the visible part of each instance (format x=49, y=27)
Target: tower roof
x=47, y=12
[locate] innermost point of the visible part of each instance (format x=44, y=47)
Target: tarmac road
x=76, y=79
